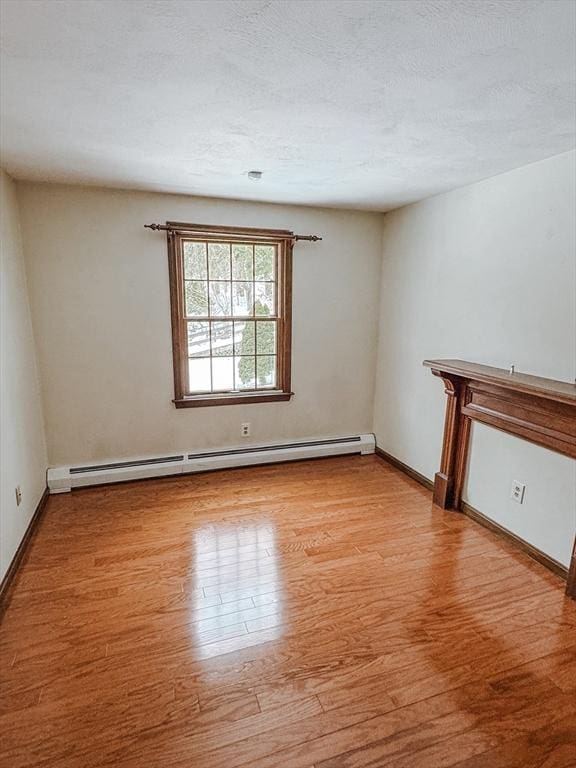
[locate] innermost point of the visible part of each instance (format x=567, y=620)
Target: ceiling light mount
x=255, y=175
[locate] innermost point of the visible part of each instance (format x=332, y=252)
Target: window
x=231, y=314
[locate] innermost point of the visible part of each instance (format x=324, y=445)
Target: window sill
x=202, y=401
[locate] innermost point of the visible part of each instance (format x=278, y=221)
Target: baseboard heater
x=63, y=479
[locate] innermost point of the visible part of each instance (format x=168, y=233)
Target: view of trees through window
x=230, y=297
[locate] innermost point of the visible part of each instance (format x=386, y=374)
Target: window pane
x=219, y=261
x=198, y=339
x=222, y=340
x=222, y=373
x=245, y=372
x=266, y=337
x=220, y=299
x=195, y=261
x=244, y=338
x=242, y=262
x=196, y=298
x=264, y=262
x=199, y=374
x=242, y=296
x=266, y=370
x=264, y=298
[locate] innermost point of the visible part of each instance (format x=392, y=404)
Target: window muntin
x=230, y=296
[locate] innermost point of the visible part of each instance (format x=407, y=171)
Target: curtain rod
x=213, y=230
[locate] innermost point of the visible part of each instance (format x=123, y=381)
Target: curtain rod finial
x=310, y=238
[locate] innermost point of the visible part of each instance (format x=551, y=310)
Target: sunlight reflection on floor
x=238, y=584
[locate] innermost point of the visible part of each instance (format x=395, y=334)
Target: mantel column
x=449, y=480
x=571, y=581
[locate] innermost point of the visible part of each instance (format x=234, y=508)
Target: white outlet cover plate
x=517, y=492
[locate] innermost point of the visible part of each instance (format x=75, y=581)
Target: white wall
x=23, y=458
x=487, y=274
x=99, y=292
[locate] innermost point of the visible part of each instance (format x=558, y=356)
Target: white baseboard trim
x=64, y=479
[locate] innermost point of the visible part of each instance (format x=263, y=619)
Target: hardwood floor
x=316, y=614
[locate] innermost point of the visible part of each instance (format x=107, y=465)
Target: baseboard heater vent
x=256, y=449
x=63, y=479
x=122, y=464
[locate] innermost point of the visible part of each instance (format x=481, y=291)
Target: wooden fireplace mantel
x=540, y=410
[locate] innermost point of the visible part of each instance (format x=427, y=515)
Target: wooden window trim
x=285, y=242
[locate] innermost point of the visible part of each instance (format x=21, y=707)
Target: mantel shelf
x=562, y=391
x=542, y=411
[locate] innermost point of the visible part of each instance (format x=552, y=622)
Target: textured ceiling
x=341, y=103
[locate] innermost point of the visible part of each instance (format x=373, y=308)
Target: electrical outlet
x=245, y=429
x=517, y=491
x=18, y=495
